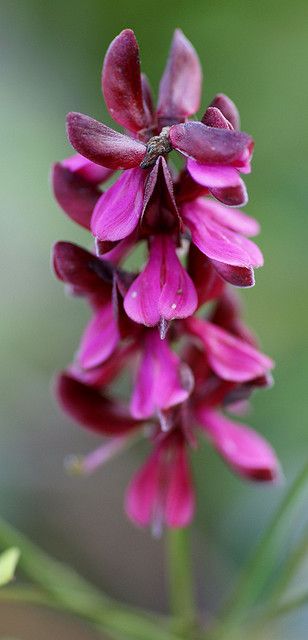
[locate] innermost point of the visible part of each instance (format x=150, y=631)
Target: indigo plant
x=192, y=367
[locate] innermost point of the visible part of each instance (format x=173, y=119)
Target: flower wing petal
x=103, y=145
x=118, y=211
x=245, y=450
x=180, y=87
x=121, y=83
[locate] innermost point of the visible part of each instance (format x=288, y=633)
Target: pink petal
x=91, y=172
x=90, y=408
x=218, y=242
x=106, y=372
x=229, y=357
x=141, y=494
x=74, y=194
x=141, y=300
x=118, y=211
x=99, y=339
x=103, y=145
x=180, y=87
x=178, y=297
x=244, y=449
x=227, y=108
x=121, y=82
x=210, y=146
x=180, y=498
x=163, y=289
x=213, y=176
x=232, y=218
x=159, y=384
x=82, y=270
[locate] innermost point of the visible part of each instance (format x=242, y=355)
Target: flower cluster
x=192, y=362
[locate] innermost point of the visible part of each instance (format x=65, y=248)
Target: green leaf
x=262, y=563
x=8, y=563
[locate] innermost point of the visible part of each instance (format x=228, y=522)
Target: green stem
x=180, y=579
x=289, y=570
x=63, y=588
x=288, y=607
x=262, y=562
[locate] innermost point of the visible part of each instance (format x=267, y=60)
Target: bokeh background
x=52, y=53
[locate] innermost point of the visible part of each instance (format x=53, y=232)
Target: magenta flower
x=220, y=233
x=228, y=356
x=163, y=290
x=75, y=188
x=128, y=99
x=163, y=381
x=161, y=493
x=241, y=447
x=86, y=275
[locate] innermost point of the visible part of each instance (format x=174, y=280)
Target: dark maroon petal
x=90, y=408
x=147, y=95
x=180, y=87
x=208, y=145
x=232, y=196
x=227, y=314
x=74, y=194
x=213, y=117
x=159, y=206
x=238, y=276
x=81, y=269
x=103, y=145
x=208, y=284
x=186, y=188
x=227, y=108
x=121, y=82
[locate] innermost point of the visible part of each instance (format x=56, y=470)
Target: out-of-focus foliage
x=8, y=563
x=52, y=54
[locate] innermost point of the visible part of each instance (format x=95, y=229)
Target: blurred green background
x=52, y=53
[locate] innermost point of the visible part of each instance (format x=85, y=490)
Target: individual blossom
x=99, y=281
x=216, y=153
x=163, y=291
x=150, y=138
x=128, y=98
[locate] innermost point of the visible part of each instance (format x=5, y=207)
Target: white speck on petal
x=229, y=446
x=173, y=306
x=134, y=294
